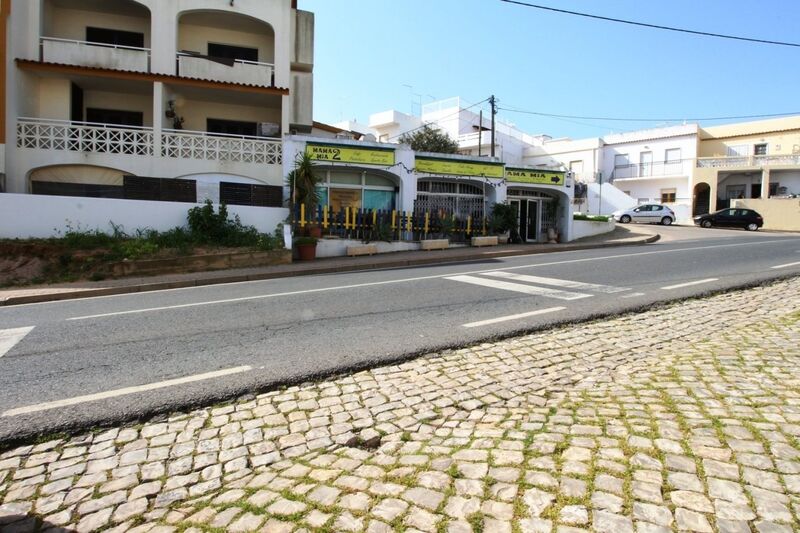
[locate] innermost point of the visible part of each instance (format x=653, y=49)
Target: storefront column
x=765, y=184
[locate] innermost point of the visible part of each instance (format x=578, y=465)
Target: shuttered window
x=159, y=189
x=248, y=194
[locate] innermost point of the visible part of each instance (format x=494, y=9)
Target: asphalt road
x=107, y=359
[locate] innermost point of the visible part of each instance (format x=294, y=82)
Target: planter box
x=366, y=249
x=201, y=263
x=490, y=240
x=435, y=244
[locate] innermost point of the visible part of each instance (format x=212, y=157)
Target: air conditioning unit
x=269, y=129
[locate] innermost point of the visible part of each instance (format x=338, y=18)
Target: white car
x=647, y=213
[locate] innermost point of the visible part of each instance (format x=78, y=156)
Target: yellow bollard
x=469, y=225
x=427, y=215
x=325, y=216
x=302, y=215
x=374, y=216
x=394, y=219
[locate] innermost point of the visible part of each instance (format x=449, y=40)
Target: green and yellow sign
x=333, y=153
x=531, y=175
x=458, y=168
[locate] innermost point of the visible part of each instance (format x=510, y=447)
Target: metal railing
x=47, y=134
x=389, y=225
x=757, y=161
x=652, y=170
x=184, y=144
x=255, y=72
x=62, y=54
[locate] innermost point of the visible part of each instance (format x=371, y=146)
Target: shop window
x=381, y=200
x=342, y=198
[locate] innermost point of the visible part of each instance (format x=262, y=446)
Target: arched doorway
x=701, y=199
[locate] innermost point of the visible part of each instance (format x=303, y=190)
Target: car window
x=657, y=208
x=729, y=212
x=637, y=209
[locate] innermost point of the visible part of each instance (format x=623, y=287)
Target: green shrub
x=591, y=218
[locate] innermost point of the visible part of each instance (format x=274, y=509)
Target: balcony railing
x=247, y=72
x=660, y=169
x=218, y=147
x=88, y=54
x=757, y=161
x=45, y=134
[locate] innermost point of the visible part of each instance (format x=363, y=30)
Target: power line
x=460, y=109
x=619, y=119
x=654, y=26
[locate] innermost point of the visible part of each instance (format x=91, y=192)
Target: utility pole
x=480, y=132
x=493, y=103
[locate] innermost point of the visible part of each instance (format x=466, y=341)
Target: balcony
x=87, y=137
x=641, y=171
x=184, y=144
x=239, y=71
x=64, y=135
x=750, y=161
x=98, y=55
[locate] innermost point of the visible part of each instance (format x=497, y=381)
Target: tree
x=303, y=182
x=429, y=139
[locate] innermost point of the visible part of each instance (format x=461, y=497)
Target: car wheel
x=751, y=227
x=666, y=221
x=706, y=223
x=625, y=219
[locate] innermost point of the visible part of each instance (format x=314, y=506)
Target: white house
x=173, y=100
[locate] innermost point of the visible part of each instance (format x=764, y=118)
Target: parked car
x=731, y=218
x=648, y=213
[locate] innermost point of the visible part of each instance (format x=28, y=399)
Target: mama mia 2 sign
x=540, y=177
x=346, y=154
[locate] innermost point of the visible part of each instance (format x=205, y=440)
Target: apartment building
x=175, y=100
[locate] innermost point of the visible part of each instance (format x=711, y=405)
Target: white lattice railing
x=46, y=134
x=749, y=161
x=184, y=144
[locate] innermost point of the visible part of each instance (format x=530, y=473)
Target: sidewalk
x=22, y=295
x=685, y=418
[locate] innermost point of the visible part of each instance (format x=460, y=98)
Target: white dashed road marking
x=513, y=317
x=565, y=283
x=122, y=392
x=688, y=284
x=787, y=265
x=10, y=337
x=518, y=287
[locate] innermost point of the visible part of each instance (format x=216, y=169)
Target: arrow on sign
x=10, y=337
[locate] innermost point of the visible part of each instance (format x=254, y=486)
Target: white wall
x=196, y=38
x=587, y=228
x=787, y=178
x=72, y=23
x=196, y=112
x=606, y=200
x=28, y=215
x=122, y=101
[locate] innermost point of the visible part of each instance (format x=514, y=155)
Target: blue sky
x=367, y=51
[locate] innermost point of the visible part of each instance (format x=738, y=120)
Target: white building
x=151, y=99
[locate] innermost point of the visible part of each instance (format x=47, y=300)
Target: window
x=248, y=194
x=645, y=163
x=620, y=160
x=227, y=51
x=760, y=149
x=231, y=127
x=115, y=37
x=739, y=150
x=734, y=191
x=668, y=196
x=160, y=189
x=114, y=116
x=576, y=167
x=672, y=155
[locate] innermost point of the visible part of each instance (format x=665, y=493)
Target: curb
x=149, y=287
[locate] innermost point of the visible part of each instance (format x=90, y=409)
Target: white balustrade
x=46, y=134
x=218, y=147
x=98, y=55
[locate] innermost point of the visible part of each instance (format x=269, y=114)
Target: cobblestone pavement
x=680, y=418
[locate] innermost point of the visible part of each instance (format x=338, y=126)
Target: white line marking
x=10, y=337
x=787, y=265
x=633, y=295
x=688, y=284
x=557, y=282
x=374, y=283
x=123, y=392
x=512, y=317
x=517, y=287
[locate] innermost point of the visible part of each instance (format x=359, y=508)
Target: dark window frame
x=217, y=125
x=114, y=37
x=232, y=51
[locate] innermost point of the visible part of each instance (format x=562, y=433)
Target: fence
x=389, y=225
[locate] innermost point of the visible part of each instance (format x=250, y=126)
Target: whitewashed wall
x=28, y=215
x=587, y=228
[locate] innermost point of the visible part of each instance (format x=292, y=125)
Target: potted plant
x=303, y=183
x=504, y=221
x=306, y=248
